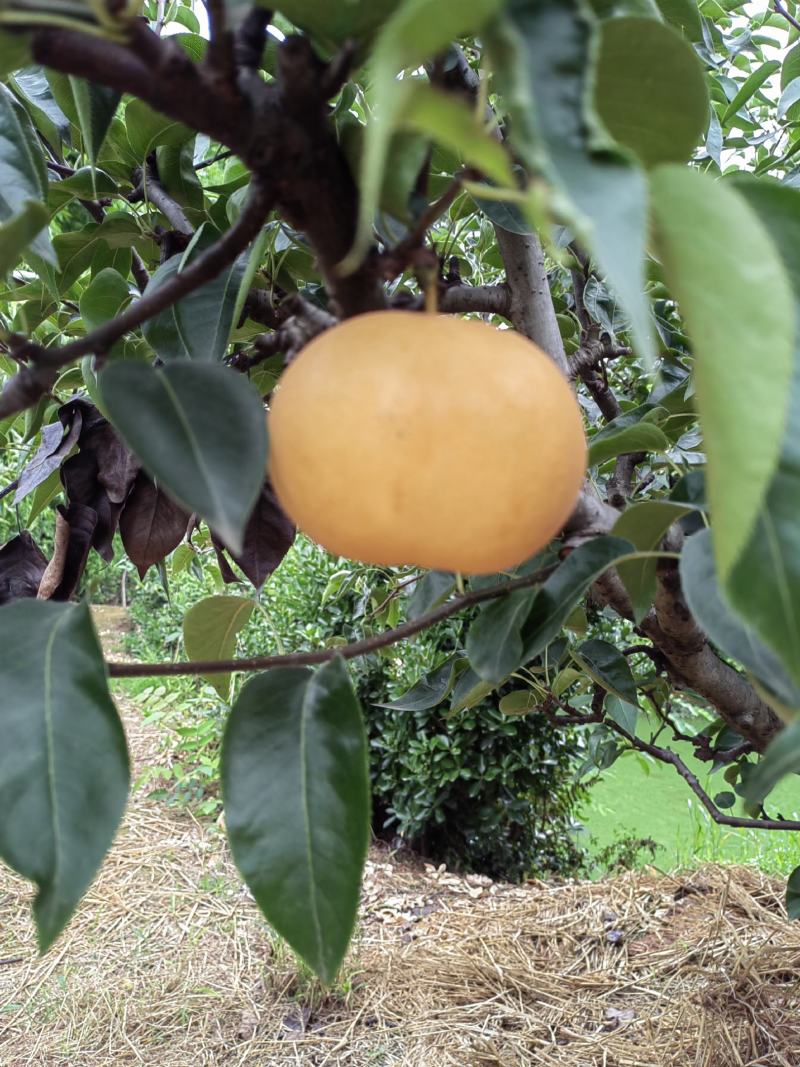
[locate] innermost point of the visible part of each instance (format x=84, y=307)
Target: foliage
x=183, y=207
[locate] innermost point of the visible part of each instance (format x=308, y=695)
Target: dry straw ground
x=168, y=964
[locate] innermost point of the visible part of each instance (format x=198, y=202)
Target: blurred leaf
x=728, y=630
x=19, y=231
x=542, y=54
x=431, y=590
x=764, y=584
x=417, y=30
x=684, y=15
x=519, y=702
x=650, y=90
x=731, y=313
x=781, y=757
x=63, y=761
x=296, y=792
x=200, y=430
x=210, y=628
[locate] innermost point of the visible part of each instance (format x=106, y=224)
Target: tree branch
x=789, y=18
x=36, y=379
x=351, y=651
x=157, y=195
x=666, y=755
x=487, y=299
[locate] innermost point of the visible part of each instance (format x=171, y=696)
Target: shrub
x=478, y=790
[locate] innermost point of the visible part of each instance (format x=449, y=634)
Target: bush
x=479, y=790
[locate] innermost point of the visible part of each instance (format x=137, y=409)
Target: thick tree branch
x=487, y=299
x=44, y=363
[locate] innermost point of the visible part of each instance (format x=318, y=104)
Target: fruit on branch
x=407, y=438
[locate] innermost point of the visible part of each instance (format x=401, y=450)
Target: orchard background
x=188, y=198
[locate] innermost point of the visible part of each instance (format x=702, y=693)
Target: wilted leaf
x=151, y=524
x=57, y=443
x=268, y=536
x=22, y=564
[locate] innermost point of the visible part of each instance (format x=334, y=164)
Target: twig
x=351, y=651
x=666, y=755
x=9, y=488
x=226, y=153
x=160, y=12
x=33, y=381
x=789, y=18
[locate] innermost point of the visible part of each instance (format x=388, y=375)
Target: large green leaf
x=542, y=55
x=565, y=587
x=198, y=326
x=416, y=31
x=764, y=584
x=728, y=630
x=23, y=177
x=750, y=87
x=296, y=790
x=103, y=298
x=210, y=628
x=741, y=318
x=200, y=430
x=650, y=90
x=494, y=642
x=63, y=759
x=644, y=525
x=684, y=15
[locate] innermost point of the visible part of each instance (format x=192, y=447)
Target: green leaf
x=416, y=31
x=520, y=702
x=728, y=630
x=608, y=667
x=622, y=712
x=148, y=130
x=19, y=231
x=200, y=430
x=644, y=525
x=793, y=894
x=430, y=591
x=494, y=642
x=63, y=761
x=789, y=97
x=210, y=628
x=179, y=178
x=333, y=24
x=650, y=90
x=95, y=106
x=32, y=88
x=764, y=584
x=44, y=494
x=683, y=14
x=469, y=690
x=781, y=757
x=199, y=326
x=296, y=791
x=452, y=123
x=735, y=305
x=15, y=52
x=542, y=54
x=749, y=88
x=23, y=176
x=565, y=587
x=103, y=298
x=641, y=437
x=429, y=691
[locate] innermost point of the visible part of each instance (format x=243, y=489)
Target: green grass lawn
x=640, y=798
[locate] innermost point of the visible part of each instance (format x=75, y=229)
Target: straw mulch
x=167, y=963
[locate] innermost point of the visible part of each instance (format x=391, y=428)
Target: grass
x=640, y=798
